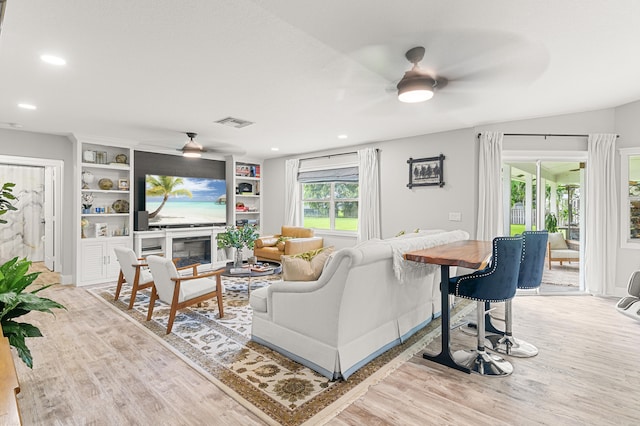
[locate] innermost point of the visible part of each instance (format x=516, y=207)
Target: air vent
x=235, y=122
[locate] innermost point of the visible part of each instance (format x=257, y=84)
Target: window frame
x=332, y=200
x=625, y=199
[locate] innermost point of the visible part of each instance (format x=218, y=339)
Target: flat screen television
x=185, y=201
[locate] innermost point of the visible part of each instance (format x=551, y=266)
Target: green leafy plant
x=551, y=222
x=244, y=236
x=15, y=302
x=6, y=197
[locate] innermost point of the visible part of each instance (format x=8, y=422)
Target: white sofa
x=356, y=310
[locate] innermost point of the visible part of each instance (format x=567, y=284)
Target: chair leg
x=507, y=344
x=472, y=328
x=119, y=287
x=134, y=291
x=152, y=302
x=219, y=295
x=172, y=317
x=479, y=361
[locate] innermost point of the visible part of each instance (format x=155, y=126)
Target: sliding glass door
x=547, y=194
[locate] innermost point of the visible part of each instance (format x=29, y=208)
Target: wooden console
x=9, y=386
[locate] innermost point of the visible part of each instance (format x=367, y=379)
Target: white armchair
x=181, y=291
x=561, y=250
x=133, y=271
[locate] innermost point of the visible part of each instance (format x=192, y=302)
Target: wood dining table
x=473, y=254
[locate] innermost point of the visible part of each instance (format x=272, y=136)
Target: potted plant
x=15, y=301
x=238, y=238
x=551, y=223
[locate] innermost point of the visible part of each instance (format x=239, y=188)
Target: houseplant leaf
x=16, y=332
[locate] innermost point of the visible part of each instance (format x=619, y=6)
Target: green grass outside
x=342, y=223
x=519, y=229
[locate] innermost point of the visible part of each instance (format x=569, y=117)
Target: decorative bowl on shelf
x=105, y=183
x=120, y=206
x=121, y=158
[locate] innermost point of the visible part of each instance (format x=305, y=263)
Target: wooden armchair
x=561, y=250
x=181, y=291
x=132, y=270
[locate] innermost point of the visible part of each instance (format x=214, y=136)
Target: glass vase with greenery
x=238, y=238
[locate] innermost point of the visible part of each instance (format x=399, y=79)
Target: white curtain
x=601, y=215
x=292, y=193
x=23, y=233
x=490, y=186
x=369, y=188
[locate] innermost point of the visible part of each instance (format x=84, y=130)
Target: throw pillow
x=280, y=242
x=266, y=242
x=557, y=241
x=305, y=266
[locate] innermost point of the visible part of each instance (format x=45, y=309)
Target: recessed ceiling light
x=275, y=149
x=27, y=106
x=53, y=60
x=342, y=136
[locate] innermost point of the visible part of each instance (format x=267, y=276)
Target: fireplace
x=190, y=250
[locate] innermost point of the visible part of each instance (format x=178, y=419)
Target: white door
x=49, y=217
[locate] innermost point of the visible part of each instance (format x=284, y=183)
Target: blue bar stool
x=496, y=283
x=534, y=248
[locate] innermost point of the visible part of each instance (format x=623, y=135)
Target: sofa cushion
x=266, y=242
x=305, y=266
x=557, y=241
x=565, y=254
x=281, y=242
x=296, y=232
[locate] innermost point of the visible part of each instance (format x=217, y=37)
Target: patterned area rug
x=274, y=387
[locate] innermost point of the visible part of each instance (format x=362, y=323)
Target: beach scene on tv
x=173, y=200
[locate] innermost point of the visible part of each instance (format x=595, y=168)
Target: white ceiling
x=306, y=71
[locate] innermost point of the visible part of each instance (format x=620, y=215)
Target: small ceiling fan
x=192, y=149
x=417, y=85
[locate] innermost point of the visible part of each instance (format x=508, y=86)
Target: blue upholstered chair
x=534, y=248
x=496, y=283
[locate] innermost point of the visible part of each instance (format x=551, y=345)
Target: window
x=330, y=205
x=630, y=198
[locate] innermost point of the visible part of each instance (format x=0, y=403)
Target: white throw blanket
x=406, y=270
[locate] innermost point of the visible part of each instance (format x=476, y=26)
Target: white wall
x=39, y=145
x=628, y=127
x=402, y=208
x=428, y=207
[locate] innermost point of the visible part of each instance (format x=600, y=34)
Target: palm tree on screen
x=165, y=187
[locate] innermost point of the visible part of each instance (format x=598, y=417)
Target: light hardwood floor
x=94, y=367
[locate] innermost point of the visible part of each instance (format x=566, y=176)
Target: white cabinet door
x=92, y=258
x=99, y=262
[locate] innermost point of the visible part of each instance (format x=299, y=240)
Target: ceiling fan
x=193, y=149
x=417, y=85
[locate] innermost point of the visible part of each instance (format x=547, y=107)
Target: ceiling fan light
x=189, y=154
x=192, y=150
x=414, y=96
x=415, y=88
